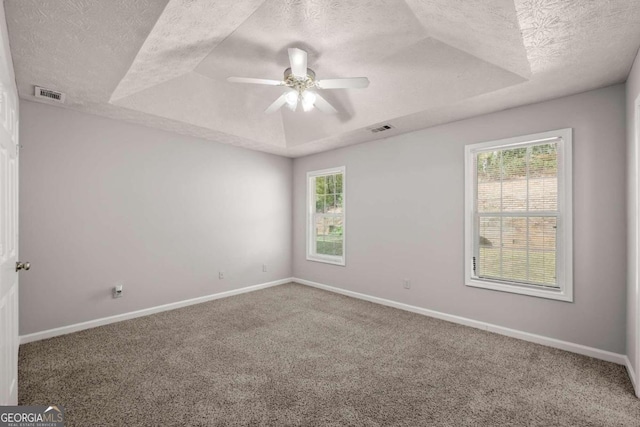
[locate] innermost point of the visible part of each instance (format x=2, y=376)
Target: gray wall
x=633, y=92
x=405, y=220
x=104, y=201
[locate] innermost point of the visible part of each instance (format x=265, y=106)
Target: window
x=518, y=232
x=326, y=221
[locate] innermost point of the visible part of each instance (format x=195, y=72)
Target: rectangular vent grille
x=381, y=128
x=49, y=94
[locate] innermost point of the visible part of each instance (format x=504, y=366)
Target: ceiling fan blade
x=346, y=83
x=277, y=104
x=298, y=60
x=255, y=81
x=322, y=105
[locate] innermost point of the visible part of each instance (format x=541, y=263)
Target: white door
x=636, y=243
x=8, y=240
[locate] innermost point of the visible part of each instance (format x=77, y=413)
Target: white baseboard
x=50, y=333
x=632, y=375
x=526, y=336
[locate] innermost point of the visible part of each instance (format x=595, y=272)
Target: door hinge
x=474, y=265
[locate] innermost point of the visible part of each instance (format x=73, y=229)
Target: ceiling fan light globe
x=308, y=99
x=292, y=98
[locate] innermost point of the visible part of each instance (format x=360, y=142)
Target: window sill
x=559, y=294
x=327, y=260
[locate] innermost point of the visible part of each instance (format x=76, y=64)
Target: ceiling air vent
x=49, y=94
x=381, y=128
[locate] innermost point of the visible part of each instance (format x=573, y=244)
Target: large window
x=325, y=216
x=518, y=215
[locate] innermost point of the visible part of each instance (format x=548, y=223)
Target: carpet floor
x=294, y=355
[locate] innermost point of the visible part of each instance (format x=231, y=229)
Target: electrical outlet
x=221, y=275
x=117, y=291
x=264, y=268
x=406, y=283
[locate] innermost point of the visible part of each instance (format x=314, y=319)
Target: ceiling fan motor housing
x=298, y=83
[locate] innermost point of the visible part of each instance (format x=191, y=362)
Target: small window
x=326, y=220
x=518, y=235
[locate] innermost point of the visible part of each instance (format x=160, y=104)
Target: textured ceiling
x=164, y=63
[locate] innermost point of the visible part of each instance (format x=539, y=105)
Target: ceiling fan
x=302, y=84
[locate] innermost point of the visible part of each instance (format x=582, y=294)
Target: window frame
x=311, y=212
x=564, y=234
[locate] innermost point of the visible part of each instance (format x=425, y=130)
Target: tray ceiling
x=164, y=63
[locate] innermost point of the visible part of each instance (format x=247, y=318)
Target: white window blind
x=517, y=214
x=517, y=235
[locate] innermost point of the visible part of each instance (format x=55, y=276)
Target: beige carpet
x=294, y=355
